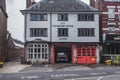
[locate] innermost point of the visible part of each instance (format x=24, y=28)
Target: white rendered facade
x=61, y=32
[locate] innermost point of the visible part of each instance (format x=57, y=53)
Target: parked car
x=62, y=56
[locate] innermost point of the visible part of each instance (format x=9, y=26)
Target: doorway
x=62, y=55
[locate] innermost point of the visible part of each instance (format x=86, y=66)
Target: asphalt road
x=107, y=77
x=65, y=75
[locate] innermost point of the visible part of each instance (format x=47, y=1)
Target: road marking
x=88, y=78
x=117, y=72
x=29, y=77
x=64, y=75
x=100, y=78
x=103, y=73
x=1, y=75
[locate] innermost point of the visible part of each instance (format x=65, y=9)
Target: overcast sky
x=16, y=19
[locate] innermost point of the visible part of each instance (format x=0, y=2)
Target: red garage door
x=86, y=55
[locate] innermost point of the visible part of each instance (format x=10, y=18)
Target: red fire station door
x=86, y=55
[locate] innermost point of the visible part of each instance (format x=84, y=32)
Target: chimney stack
x=3, y=4
x=33, y=2
x=92, y=3
x=29, y=3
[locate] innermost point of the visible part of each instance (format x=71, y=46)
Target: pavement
x=17, y=67
x=13, y=67
x=66, y=67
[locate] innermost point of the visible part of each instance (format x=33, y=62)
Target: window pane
x=42, y=56
x=44, y=17
x=45, y=56
x=39, y=56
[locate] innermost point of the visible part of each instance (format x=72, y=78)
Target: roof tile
x=61, y=5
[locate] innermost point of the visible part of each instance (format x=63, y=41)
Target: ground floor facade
x=75, y=53
x=111, y=52
x=111, y=49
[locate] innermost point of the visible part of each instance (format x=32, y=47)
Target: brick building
x=15, y=48
x=110, y=24
x=3, y=29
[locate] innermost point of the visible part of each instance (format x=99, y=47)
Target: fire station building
x=61, y=31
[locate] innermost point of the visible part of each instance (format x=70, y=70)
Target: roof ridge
x=61, y=5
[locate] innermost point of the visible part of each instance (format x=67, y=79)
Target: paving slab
x=13, y=67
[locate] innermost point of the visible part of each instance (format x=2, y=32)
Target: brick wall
x=14, y=53
x=3, y=34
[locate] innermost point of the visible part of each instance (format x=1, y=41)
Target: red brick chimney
x=33, y=2
x=3, y=4
x=99, y=4
x=92, y=3
x=29, y=3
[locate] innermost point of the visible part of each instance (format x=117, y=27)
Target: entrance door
x=86, y=55
x=62, y=54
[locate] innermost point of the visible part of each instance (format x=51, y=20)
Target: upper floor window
x=111, y=13
x=85, y=17
x=38, y=32
x=62, y=17
x=111, y=28
x=112, y=0
x=85, y=32
x=38, y=17
x=119, y=13
x=62, y=32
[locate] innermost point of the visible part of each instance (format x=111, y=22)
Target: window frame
x=38, y=32
x=38, y=55
x=111, y=15
x=110, y=27
x=38, y=17
x=62, y=17
x=86, y=17
x=63, y=32
x=86, y=32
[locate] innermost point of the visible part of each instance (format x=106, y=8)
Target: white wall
x=37, y=24
x=73, y=32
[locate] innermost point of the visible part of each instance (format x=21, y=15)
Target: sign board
x=62, y=25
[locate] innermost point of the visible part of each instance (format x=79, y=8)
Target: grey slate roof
x=61, y=6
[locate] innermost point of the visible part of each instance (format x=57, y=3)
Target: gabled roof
x=4, y=11
x=60, y=6
x=18, y=43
